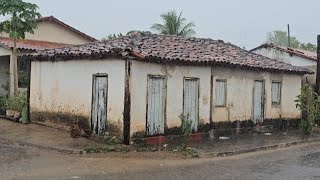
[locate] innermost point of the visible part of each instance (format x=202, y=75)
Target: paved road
x=301, y=162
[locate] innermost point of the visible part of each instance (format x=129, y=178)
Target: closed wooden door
x=191, y=101
x=156, y=105
x=258, y=102
x=99, y=104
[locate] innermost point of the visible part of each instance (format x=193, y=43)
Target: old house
x=296, y=57
x=50, y=33
x=138, y=86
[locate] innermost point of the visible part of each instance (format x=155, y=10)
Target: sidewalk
x=54, y=139
x=42, y=137
x=255, y=142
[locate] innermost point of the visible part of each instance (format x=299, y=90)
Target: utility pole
x=318, y=66
x=288, y=35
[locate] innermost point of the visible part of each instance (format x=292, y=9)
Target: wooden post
x=289, y=36
x=318, y=66
x=127, y=104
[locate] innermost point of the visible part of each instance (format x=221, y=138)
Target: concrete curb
x=40, y=146
x=62, y=128
x=261, y=148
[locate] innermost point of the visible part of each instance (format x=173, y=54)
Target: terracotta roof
x=55, y=20
x=297, y=52
x=171, y=49
x=29, y=44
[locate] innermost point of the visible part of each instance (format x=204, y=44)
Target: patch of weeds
x=111, y=140
x=190, y=152
x=186, y=125
x=105, y=149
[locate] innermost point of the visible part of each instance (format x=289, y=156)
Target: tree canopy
x=174, y=24
x=22, y=17
x=281, y=38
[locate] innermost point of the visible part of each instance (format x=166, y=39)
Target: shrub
x=16, y=103
x=2, y=101
x=309, y=103
x=186, y=127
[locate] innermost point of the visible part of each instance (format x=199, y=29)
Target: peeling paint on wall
x=65, y=87
x=71, y=90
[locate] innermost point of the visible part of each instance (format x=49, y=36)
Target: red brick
x=196, y=137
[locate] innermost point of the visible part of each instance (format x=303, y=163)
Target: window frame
x=225, y=92
x=280, y=94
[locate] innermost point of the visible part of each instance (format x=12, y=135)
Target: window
x=276, y=93
x=221, y=93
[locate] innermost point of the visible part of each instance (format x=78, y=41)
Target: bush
x=309, y=103
x=2, y=101
x=16, y=103
x=186, y=126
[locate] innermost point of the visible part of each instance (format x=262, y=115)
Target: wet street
x=299, y=162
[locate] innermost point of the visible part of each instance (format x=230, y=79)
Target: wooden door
x=258, y=102
x=156, y=105
x=99, y=104
x=191, y=101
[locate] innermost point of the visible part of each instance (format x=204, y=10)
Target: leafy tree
x=308, y=47
x=308, y=102
x=281, y=38
x=174, y=24
x=21, y=20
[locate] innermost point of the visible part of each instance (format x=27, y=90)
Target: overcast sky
x=242, y=22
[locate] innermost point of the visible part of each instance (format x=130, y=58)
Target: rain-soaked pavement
x=299, y=162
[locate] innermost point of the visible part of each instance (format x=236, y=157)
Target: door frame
x=191, y=78
x=92, y=95
x=263, y=100
x=165, y=102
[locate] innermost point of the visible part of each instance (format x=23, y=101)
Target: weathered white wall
x=52, y=32
x=285, y=57
x=175, y=77
x=310, y=78
x=66, y=87
x=4, y=51
x=240, y=86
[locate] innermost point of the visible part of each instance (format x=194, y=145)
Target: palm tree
x=174, y=25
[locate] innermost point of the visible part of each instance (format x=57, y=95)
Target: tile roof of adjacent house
x=55, y=20
x=26, y=44
x=292, y=51
x=170, y=49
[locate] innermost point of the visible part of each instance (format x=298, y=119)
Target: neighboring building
x=50, y=33
x=52, y=29
x=139, y=86
x=292, y=56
